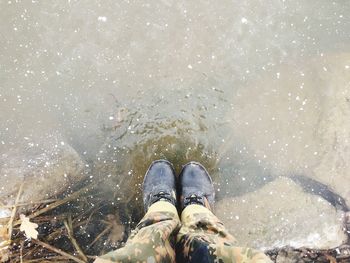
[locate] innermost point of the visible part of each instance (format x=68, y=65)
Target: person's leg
x=203, y=237
x=154, y=237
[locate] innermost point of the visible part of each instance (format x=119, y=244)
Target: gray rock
x=282, y=214
x=299, y=122
x=334, y=128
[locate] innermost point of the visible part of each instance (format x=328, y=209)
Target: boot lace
x=161, y=196
x=194, y=199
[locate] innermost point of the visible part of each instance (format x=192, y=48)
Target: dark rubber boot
x=196, y=186
x=159, y=184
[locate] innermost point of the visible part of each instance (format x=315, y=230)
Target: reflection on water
x=245, y=87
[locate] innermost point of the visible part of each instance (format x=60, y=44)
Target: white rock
x=281, y=214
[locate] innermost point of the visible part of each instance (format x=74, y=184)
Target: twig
x=50, y=218
x=29, y=203
x=56, y=204
x=68, y=225
x=21, y=252
x=61, y=258
x=13, y=214
x=58, y=251
x=59, y=229
x=99, y=236
x=30, y=252
x=94, y=210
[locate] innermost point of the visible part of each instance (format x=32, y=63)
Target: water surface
x=245, y=87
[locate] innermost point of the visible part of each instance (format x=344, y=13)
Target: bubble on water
x=102, y=18
x=244, y=20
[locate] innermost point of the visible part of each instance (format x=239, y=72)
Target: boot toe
x=194, y=179
x=159, y=178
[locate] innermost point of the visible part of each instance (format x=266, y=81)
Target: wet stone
x=282, y=214
x=44, y=167
x=302, y=126
x=334, y=128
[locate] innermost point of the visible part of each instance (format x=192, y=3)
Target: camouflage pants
x=200, y=238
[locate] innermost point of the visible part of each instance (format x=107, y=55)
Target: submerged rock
x=44, y=167
x=298, y=121
x=334, y=127
x=282, y=214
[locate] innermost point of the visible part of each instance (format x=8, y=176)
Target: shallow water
x=245, y=87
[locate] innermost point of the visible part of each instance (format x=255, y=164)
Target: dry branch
x=58, y=251
x=56, y=204
x=69, y=227
x=13, y=214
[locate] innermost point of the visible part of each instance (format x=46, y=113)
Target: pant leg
x=203, y=238
x=153, y=239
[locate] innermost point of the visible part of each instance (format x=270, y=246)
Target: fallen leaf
x=117, y=231
x=28, y=227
